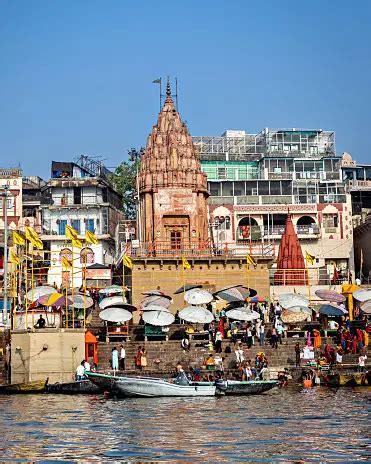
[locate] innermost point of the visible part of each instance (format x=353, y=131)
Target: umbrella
x=289, y=316
x=80, y=301
x=198, y=296
x=300, y=309
x=156, y=307
x=112, y=301
x=366, y=307
x=111, y=289
x=331, y=310
x=257, y=299
x=330, y=295
x=153, y=293
x=37, y=292
x=362, y=295
x=157, y=300
x=287, y=300
x=196, y=314
x=159, y=318
x=187, y=287
x=235, y=293
x=242, y=314
x=114, y=314
x=55, y=299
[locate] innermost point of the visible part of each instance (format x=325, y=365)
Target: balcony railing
x=257, y=232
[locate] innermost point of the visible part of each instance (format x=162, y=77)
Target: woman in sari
x=317, y=339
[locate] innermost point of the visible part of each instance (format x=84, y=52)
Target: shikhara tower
x=172, y=188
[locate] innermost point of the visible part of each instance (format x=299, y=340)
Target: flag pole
x=26, y=287
x=32, y=286
x=72, y=286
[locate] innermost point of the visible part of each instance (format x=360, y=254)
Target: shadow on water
x=316, y=425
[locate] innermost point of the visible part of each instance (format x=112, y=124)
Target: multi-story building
x=256, y=179
x=80, y=195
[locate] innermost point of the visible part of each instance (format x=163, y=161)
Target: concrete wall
x=53, y=353
x=212, y=273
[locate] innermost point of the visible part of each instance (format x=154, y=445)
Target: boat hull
x=37, y=386
x=147, y=387
x=253, y=387
x=74, y=388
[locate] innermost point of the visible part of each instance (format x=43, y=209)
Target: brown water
x=282, y=426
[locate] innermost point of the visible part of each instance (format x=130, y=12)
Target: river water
x=283, y=426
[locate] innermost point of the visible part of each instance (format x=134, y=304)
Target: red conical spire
x=290, y=261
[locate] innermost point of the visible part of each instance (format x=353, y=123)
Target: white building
x=81, y=196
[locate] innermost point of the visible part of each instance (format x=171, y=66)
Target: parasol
x=196, y=314
x=330, y=295
x=187, y=287
x=154, y=307
x=55, y=299
x=112, y=301
x=159, y=318
x=157, y=300
x=288, y=300
x=153, y=293
x=197, y=296
x=300, y=309
x=257, y=299
x=114, y=314
x=331, y=310
x=366, y=307
x=362, y=295
x=242, y=314
x=112, y=289
x=37, y=292
x=80, y=301
x=289, y=316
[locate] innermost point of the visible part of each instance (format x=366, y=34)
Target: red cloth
x=335, y=277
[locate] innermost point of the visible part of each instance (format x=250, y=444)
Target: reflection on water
x=318, y=425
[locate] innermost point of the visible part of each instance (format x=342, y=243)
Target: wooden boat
x=149, y=387
x=252, y=387
x=37, y=386
x=353, y=379
x=73, y=388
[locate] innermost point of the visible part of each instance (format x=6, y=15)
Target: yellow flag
x=71, y=233
x=31, y=236
x=185, y=263
x=14, y=258
x=309, y=258
x=91, y=238
x=127, y=261
x=66, y=262
x=250, y=260
x=76, y=243
x=18, y=239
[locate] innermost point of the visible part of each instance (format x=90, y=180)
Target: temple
x=172, y=188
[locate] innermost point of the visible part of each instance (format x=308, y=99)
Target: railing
x=311, y=276
x=197, y=249
x=256, y=232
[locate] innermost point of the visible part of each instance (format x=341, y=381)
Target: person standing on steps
x=297, y=354
x=138, y=358
x=115, y=360
x=122, y=357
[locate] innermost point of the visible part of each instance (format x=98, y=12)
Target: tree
x=124, y=180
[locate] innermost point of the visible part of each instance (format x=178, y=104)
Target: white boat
x=148, y=386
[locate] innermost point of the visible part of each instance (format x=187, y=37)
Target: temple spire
x=168, y=88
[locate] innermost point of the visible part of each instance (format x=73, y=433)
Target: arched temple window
x=87, y=256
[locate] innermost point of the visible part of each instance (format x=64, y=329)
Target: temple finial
x=168, y=88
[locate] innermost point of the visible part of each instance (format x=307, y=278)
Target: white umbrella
x=196, y=314
x=288, y=300
x=81, y=301
x=300, y=309
x=111, y=289
x=362, y=295
x=366, y=307
x=160, y=318
x=242, y=314
x=37, y=292
x=112, y=300
x=157, y=300
x=198, y=296
x=153, y=307
x=115, y=315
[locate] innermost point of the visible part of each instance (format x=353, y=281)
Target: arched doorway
x=248, y=229
x=306, y=225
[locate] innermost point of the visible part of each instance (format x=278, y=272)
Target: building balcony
x=244, y=234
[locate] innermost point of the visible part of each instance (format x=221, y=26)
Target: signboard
x=98, y=274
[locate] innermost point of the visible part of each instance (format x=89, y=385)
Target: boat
x=149, y=387
x=73, y=388
x=352, y=379
x=37, y=386
x=248, y=387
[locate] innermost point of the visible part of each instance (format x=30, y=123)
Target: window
x=330, y=221
x=89, y=225
x=104, y=195
x=87, y=256
x=222, y=173
x=77, y=195
x=175, y=239
x=62, y=226
x=227, y=222
x=65, y=253
x=75, y=224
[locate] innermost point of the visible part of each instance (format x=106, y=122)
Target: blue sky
x=76, y=76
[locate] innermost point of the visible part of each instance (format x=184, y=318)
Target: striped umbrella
x=55, y=299
x=35, y=293
x=330, y=295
